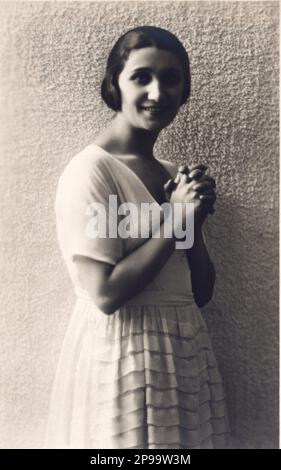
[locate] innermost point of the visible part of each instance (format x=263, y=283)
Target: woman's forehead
x=152, y=58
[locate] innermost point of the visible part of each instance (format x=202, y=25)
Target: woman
x=137, y=369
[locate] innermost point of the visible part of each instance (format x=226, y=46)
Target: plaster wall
x=52, y=60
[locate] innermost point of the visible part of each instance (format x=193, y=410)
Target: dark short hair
x=137, y=38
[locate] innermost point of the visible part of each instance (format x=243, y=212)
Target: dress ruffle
x=145, y=377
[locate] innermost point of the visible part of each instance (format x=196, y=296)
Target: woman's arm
x=111, y=286
x=202, y=270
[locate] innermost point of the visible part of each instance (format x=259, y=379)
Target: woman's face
x=151, y=85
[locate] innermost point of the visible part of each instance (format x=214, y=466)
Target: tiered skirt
x=144, y=377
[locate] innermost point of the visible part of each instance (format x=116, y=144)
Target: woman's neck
x=127, y=140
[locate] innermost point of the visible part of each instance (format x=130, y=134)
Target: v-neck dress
x=146, y=375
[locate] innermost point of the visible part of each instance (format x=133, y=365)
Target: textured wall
x=52, y=60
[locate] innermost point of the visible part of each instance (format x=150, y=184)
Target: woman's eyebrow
x=167, y=69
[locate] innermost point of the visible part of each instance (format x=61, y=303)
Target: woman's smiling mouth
x=154, y=110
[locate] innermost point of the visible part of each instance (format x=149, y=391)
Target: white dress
x=145, y=376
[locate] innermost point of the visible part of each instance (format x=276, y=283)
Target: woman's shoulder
x=90, y=156
x=87, y=172
x=88, y=163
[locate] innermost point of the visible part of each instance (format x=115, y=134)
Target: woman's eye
x=142, y=78
x=168, y=79
x=171, y=79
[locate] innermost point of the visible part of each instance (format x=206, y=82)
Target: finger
x=203, y=186
x=195, y=174
x=210, y=179
x=206, y=199
x=177, y=178
x=198, y=166
x=183, y=169
x=169, y=186
x=183, y=179
x=211, y=194
x=191, y=184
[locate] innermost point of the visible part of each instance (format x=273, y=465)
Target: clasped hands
x=192, y=185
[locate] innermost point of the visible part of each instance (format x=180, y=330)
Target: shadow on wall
x=243, y=324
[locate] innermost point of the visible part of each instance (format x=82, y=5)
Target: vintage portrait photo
x=139, y=224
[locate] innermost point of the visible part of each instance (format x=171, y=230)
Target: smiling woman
x=151, y=94
x=137, y=368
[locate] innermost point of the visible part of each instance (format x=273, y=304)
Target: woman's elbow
x=107, y=304
x=202, y=300
x=204, y=295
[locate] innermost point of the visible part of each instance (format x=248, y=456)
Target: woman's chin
x=156, y=124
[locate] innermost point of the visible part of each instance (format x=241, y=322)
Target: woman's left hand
x=205, y=186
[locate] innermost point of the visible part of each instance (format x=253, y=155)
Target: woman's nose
x=155, y=90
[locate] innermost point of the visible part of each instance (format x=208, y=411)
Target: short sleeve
x=86, y=198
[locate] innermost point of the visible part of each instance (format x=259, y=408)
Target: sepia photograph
x=139, y=225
